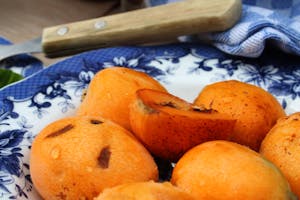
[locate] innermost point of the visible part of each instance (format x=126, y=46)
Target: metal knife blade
x=134, y=27
x=31, y=46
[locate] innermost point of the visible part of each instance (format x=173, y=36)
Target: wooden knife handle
x=142, y=26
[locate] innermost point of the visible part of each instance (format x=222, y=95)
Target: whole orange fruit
x=255, y=109
x=222, y=170
x=78, y=157
x=282, y=147
x=145, y=191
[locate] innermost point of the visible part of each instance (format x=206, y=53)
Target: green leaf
x=7, y=77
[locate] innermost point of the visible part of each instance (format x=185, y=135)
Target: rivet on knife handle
x=142, y=26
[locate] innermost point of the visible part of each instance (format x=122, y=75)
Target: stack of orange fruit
x=227, y=144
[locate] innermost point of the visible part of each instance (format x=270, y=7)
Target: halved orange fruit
x=169, y=126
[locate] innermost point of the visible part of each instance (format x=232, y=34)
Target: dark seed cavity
x=203, y=110
x=96, y=121
x=146, y=108
x=104, y=156
x=168, y=104
x=60, y=131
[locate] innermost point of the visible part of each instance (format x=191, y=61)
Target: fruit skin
x=145, y=191
x=78, y=157
x=111, y=91
x=169, y=126
x=255, y=109
x=282, y=147
x=222, y=170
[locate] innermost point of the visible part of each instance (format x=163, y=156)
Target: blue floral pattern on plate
x=184, y=69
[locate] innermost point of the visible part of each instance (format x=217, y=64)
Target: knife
x=141, y=26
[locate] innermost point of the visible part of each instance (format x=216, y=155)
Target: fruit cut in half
x=169, y=126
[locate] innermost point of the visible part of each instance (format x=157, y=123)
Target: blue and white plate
x=184, y=69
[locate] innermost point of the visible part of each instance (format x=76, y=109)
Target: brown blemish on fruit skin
x=104, y=157
x=211, y=103
x=291, y=138
x=84, y=93
x=60, y=131
x=61, y=196
x=95, y=121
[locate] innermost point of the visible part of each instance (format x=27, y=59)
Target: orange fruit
x=282, y=147
x=145, y=191
x=255, y=109
x=111, y=91
x=78, y=157
x=169, y=126
x=222, y=170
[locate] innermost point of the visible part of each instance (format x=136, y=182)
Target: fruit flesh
x=168, y=126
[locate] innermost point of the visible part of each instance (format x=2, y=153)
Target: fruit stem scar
x=60, y=131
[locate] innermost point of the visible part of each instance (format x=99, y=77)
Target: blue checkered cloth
x=263, y=22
